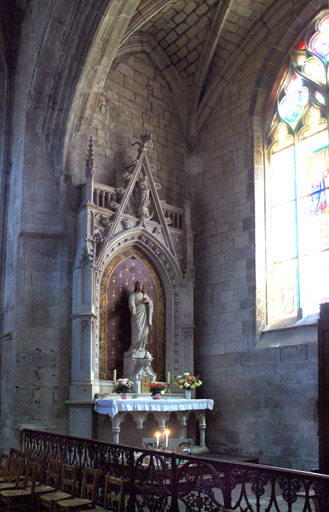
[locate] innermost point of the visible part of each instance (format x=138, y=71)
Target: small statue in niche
x=141, y=309
x=143, y=199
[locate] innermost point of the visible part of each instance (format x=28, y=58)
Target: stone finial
x=143, y=141
x=90, y=164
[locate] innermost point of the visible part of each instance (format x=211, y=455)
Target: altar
x=132, y=313
x=139, y=408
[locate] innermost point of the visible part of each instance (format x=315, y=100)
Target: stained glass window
x=297, y=182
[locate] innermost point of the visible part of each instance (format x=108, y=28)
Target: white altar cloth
x=113, y=406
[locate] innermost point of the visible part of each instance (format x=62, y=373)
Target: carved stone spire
x=90, y=164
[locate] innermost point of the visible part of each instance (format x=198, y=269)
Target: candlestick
x=114, y=376
x=157, y=435
x=168, y=377
x=166, y=433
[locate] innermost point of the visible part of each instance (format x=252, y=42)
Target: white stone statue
x=141, y=309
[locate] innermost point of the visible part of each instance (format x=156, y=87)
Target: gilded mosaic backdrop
x=119, y=278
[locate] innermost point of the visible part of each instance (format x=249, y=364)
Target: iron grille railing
x=159, y=481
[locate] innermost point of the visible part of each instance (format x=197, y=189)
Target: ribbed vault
x=197, y=44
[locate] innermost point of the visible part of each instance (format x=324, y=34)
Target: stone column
x=202, y=428
x=83, y=385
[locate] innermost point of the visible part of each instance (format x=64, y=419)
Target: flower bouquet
x=156, y=388
x=123, y=386
x=188, y=382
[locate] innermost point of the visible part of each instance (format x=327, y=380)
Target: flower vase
x=157, y=396
x=124, y=396
x=188, y=393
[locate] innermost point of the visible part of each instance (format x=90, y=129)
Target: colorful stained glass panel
x=313, y=164
x=320, y=98
x=320, y=41
x=314, y=68
x=284, y=290
x=315, y=232
x=314, y=123
x=292, y=106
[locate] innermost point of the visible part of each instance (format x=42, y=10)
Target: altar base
x=150, y=415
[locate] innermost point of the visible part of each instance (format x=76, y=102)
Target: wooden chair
x=13, y=477
x=89, y=487
x=113, y=493
x=53, y=478
x=40, y=462
x=68, y=488
x=15, y=453
x=21, y=497
x=4, y=466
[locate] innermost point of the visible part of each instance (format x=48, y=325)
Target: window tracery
x=297, y=182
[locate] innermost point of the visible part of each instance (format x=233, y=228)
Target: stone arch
x=67, y=39
x=171, y=281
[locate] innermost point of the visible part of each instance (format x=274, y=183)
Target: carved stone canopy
x=110, y=220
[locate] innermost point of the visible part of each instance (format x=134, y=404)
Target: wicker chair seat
x=15, y=492
x=54, y=496
x=4, y=486
x=39, y=489
x=74, y=502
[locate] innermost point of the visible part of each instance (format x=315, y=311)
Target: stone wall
x=264, y=397
x=135, y=99
x=35, y=364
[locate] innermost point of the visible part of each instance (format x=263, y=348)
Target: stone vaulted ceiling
x=202, y=42
x=198, y=45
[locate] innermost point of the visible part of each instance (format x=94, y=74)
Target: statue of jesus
x=141, y=309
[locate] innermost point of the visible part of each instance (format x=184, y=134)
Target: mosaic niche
x=118, y=280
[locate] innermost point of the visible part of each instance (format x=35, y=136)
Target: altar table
x=117, y=408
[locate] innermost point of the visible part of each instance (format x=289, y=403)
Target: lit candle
x=168, y=377
x=166, y=433
x=114, y=376
x=157, y=435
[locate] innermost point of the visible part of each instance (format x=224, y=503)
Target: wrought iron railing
x=159, y=481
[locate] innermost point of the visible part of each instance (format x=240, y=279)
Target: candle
x=157, y=435
x=168, y=377
x=166, y=433
x=114, y=376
